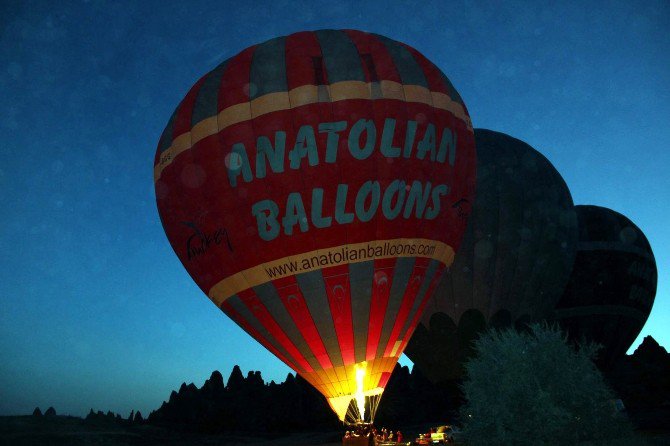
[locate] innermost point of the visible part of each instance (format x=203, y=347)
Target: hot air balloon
x=310, y=185
x=613, y=284
x=513, y=263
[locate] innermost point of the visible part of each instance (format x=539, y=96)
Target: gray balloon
x=514, y=261
x=613, y=284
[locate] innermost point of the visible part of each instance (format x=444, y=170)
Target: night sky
x=96, y=311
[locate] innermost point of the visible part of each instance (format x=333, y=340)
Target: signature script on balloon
x=198, y=243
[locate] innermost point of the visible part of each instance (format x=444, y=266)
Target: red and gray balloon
x=315, y=187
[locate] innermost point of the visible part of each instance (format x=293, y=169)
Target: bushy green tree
x=532, y=388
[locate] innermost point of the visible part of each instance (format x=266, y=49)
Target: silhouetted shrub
x=534, y=389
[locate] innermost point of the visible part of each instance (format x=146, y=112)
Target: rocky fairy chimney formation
x=642, y=380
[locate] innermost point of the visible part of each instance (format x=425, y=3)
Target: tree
x=532, y=388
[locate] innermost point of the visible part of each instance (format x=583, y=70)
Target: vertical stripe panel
x=312, y=286
x=268, y=68
x=453, y=93
x=247, y=317
x=256, y=307
x=234, y=88
x=340, y=56
x=336, y=280
x=227, y=308
x=360, y=278
x=381, y=290
x=401, y=274
x=182, y=121
x=413, y=286
x=206, y=102
x=410, y=71
x=166, y=138
x=428, y=65
x=425, y=292
x=267, y=293
x=422, y=309
x=304, y=60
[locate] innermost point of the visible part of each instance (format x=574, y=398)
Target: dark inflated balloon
x=514, y=261
x=612, y=286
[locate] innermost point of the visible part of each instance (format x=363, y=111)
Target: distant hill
x=642, y=380
x=249, y=404
x=245, y=404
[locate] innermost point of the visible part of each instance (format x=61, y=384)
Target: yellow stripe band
x=305, y=95
x=322, y=258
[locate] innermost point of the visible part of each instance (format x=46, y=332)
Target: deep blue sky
x=95, y=308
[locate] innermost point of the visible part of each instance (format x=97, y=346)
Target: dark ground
x=63, y=430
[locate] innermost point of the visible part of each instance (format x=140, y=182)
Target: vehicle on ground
x=444, y=434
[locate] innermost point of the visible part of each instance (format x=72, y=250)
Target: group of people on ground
x=375, y=436
x=387, y=435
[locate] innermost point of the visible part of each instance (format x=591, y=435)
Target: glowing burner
x=363, y=394
x=360, y=396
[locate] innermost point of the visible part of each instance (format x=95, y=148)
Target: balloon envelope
x=312, y=187
x=613, y=284
x=515, y=259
